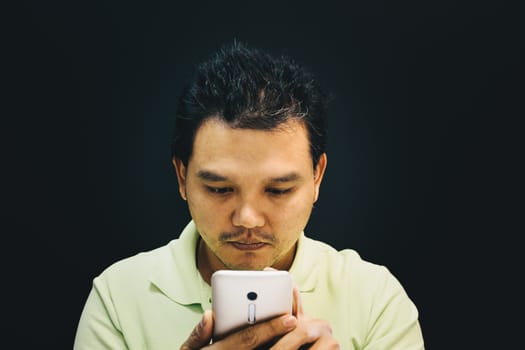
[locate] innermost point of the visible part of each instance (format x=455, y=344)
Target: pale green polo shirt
x=153, y=300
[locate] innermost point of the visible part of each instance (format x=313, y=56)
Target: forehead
x=219, y=147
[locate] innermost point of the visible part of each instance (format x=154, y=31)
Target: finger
x=309, y=331
x=325, y=342
x=297, y=308
x=201, y=334
x=257, y=335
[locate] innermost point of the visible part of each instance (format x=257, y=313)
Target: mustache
x=264, y=236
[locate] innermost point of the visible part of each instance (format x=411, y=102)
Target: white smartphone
x=242, y=298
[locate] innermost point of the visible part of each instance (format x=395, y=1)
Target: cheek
x=200, y=209
x=294, y=215
x=207, y=213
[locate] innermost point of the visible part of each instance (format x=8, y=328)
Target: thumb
x=201, y=334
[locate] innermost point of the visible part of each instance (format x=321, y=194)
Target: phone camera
x=251, y=295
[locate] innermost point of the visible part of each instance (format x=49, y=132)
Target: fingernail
x=202, y=323
x=289, y=321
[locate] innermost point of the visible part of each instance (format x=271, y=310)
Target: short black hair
x=250, y=89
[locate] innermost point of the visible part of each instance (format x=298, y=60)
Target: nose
x=247, y=215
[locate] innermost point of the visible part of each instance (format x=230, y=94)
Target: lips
x=248, y=245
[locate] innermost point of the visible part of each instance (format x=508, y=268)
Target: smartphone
x=241, y=298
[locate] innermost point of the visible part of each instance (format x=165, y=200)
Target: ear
x=318, y=174
x=180, y=170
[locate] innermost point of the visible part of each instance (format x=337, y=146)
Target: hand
x=248, y=338
x=309, y=333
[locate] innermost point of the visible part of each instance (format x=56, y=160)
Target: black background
x=421, y=150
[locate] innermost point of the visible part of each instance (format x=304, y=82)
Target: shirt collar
x=305, y=266
x=176, y=274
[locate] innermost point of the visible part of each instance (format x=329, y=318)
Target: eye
x=278, y=191
x=219, y=190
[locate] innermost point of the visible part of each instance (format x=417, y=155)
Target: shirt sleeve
x=98, y=327
x=394, y=320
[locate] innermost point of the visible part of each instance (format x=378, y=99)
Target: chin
x=247, y=266
x=246, y=261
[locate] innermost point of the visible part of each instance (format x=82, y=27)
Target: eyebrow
x=214, y=177
x=211, y=176
x=286, y=178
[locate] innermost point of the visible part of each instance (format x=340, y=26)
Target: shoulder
x=161, y=262
x=134, y=268
x=347, y=267
x=364, y=297
x=345, y=261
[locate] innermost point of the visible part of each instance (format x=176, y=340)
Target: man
x=249, y=154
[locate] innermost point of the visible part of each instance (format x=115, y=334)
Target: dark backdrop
x=414, y=173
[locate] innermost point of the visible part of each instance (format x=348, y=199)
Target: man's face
x=250, y=193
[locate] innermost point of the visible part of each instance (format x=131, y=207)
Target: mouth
x=248, y=245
